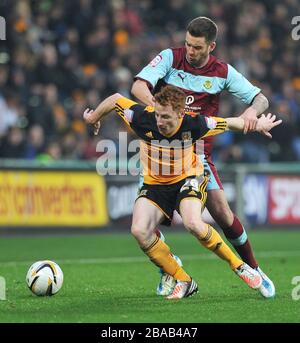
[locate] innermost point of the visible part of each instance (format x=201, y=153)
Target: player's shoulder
x=178, y=53
x=217, y=67
x=178, y=56
x=191, y=119
x=144, y=115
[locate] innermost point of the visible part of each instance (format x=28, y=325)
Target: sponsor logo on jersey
x=182, y=76
x=207, y=84
x=155, y=61
x=211, y=123
x=189, y=99
x=128, y=114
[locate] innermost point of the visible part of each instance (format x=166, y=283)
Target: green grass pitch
x=109, y=280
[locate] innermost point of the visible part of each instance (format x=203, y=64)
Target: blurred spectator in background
x=35, y=142
x=63, y=56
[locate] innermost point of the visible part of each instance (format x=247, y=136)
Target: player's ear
x=212, y=46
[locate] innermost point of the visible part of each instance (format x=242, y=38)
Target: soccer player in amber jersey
x=174, y=178
x=203, y=77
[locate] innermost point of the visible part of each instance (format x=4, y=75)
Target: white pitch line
x=142, y=259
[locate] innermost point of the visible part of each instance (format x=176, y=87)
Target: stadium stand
x=61, y=57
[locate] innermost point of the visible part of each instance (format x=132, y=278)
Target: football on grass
x=44, y=278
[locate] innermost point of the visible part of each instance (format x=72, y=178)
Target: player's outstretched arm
x=106, y=106
x=264, y=124
x=141, y=91
x=259, y=105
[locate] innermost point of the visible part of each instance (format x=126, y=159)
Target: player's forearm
x=105, y=107
x=259, y=105
x=235, y=124
x=141, y=91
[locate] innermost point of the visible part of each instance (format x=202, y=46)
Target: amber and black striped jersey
x=168, y=159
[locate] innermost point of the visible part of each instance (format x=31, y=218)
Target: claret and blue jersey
x=201, y=85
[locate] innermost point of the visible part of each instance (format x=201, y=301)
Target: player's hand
x=88, y=116
x=266, y=123
x=250, y=120
x=90, y=119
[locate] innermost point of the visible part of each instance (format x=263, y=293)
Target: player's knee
x=137, y=230
x=200, y=231
x=143, y=234
x=192, y=224
x=141, y=231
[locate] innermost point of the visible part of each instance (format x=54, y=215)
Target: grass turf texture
x=109, y=280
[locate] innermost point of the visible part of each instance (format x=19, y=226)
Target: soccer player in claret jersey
x=203, y=77
x=174, y=178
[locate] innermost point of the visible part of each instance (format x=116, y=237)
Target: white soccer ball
x=44, y=278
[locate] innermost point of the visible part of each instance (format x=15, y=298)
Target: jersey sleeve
x=209, y=126
x=130, y=111
x=157, y=68
x=239, y=86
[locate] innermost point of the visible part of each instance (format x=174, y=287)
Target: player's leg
x=190, y=201
x=190, y=209
x=234, y=231
x=146, y=216
x=166, y=282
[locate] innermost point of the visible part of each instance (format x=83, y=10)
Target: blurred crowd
x=61, y=57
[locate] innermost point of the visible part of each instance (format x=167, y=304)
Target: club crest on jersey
x=211, y=123
x=155, y=61
x=207, y=84
x=128, y=114
x=186, y=136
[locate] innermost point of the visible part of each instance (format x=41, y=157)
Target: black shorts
x=168, y=197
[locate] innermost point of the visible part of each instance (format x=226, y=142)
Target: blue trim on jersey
x=154, y=73
x=161, y=68
x=240, y=87
x=195, y=83
x=240, y=240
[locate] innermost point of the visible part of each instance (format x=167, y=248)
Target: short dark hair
x=203, y=27
x=171, y=95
